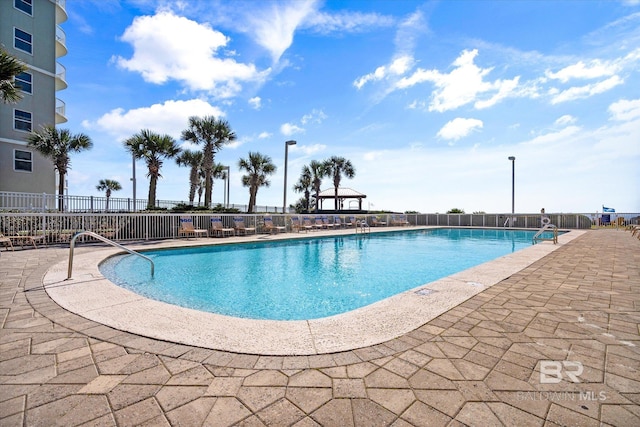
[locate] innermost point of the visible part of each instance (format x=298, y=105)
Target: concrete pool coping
x=91, y=296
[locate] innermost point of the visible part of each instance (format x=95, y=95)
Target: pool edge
x=91, y=296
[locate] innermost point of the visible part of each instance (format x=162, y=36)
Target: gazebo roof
x=343, y=192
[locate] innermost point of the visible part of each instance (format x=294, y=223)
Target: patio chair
x=375, y=222
x=324, y=222
x=337, y=221
x=187, y=228
x=241, y=228
x=269, y=226
x=5, y=241
x=297, y=225
x=399, y=220
x=217, y=229
x=25, y=238
x=351, y=221
x=307, y=224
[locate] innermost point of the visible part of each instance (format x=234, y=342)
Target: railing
x=545, y=229
x=59, y=228
x=38, y=202
x=72, y=246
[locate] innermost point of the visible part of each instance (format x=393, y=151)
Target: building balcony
x=60, y=111
x=61, y=42
x=61, y=11
x=61, y=77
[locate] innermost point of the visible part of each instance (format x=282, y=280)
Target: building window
x=24, y=5
x=22, y=120
x=22, y=40
x=23, y=82
x=22, y=161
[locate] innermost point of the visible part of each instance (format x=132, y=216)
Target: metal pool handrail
x=104, y=239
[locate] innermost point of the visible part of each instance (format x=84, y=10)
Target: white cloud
x=593, y=70
x=273, y=27
x=565, y=120
x=309, y=149
x=459, y=128
x=462, y=85
x=352, y=22
x=554, y=137
x=397, y=67
x=264, y=135
x=255, y=102
x=170, y=118
x=316, y=116
x=579, y=92
x=289, y=129
x=169, y=47
x=625, y=109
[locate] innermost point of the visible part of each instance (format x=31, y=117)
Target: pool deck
x=477, y=362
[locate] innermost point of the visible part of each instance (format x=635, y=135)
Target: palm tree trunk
x=252, y=198
x=336, y=198
x=61, y=192
x=153, y=181
x=207, y=166
x=194, y=183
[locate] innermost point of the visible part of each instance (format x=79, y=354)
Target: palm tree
x=213, y=133
x=303, y=186
x=258, y=167
x=336, y=167
x=57, y=144
x=108, y=185
x=318, y=171
x=10, y=67
x=192, y=159
x=152, y=147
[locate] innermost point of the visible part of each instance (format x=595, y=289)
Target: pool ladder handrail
x=544, y=228
x=72, y=245
x=363, y=226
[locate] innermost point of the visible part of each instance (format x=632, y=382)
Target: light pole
x=513, y=188
x=286, y=155
x=133, y=180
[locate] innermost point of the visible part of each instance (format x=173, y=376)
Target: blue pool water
x=308, y=278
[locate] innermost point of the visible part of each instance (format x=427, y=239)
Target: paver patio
x=477, y=364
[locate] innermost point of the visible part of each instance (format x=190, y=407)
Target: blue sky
x=428, y=99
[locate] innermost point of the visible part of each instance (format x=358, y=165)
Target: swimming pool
x=308, y=278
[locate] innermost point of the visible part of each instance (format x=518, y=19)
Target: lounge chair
x=5, y=241
x=187, y=228
x=337, y=222
x=217, y=229
x=351, y=222
x=375, y=222
x=241, y=228
x=325, y=222
x=399, y=220
x=297, y=225
x=269, y=226
x=307, y=224
x=24, y=238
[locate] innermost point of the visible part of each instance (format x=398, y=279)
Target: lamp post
x=513, y=188
x=133, y=180
x=286, y=155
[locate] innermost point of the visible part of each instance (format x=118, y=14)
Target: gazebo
x=343, y=194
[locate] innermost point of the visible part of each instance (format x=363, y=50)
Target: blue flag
x=608, y=209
